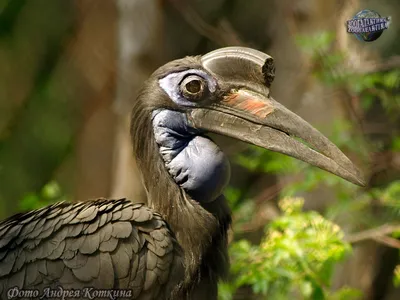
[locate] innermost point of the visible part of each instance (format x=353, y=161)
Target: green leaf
x=390, y=196
x=51, y=190
x=225, y=291
x=233, y=196
x=29, y=202
x=49, y=194
x=346, y=293
x=391, y=79
x=396, y=144
x=367, y=101
x=299, y=251
x=396, y=277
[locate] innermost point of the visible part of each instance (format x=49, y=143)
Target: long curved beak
x=251, y=115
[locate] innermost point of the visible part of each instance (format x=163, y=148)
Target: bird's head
x=227, y=92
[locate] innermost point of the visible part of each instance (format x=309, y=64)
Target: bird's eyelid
x=171, y=84
x=194, y=76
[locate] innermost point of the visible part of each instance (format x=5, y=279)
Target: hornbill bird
x=175, y=247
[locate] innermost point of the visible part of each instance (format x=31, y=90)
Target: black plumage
x=103, y=243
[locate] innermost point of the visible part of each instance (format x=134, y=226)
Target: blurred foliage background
x=70, y=70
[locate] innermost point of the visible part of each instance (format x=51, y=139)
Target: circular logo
x=369, y=24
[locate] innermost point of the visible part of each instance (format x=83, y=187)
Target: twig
x=391, y=63
x=224, y=35
x=374, y=234
x=388, y=241
x=270, y=192
x=265, y=214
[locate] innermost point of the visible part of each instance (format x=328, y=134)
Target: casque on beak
x=248, y=113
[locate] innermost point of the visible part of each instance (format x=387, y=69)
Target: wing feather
x=101, y=243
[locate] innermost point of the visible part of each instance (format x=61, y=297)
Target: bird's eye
x=193, y=87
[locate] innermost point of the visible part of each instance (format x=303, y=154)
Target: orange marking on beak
x=247, y=102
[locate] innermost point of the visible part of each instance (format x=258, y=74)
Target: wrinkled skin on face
x=194, y=161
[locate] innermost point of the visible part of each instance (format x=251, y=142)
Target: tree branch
x=388, y=241
x=223, y=35
x=389, y=64
x=377, y=234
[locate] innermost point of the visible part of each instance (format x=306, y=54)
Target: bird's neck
x=198, y=225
